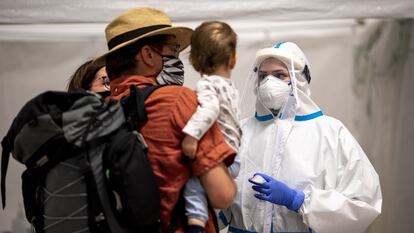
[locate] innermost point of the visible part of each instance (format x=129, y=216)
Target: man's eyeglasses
x=173, y=47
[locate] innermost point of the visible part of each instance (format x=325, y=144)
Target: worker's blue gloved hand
x=278, y=193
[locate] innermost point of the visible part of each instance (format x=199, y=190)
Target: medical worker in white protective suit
x=301, y=171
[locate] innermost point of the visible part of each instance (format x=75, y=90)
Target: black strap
x=97, y=179
x=149, y=89
x=95, y=212
x=134, y=104
x=5, y=155
x=306, y=73
x=140, y=96
x=214, y=216
x=177, y=214
x=117, y=40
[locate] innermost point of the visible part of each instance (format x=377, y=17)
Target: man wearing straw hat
x=143, y=50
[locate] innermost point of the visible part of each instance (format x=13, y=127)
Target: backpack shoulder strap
x=95, y=180
x=134, y=104
x=147, y=91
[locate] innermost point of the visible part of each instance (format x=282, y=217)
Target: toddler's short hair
x=212, y=45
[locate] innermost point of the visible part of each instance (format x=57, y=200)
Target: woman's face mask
x=104, y=94
x=273, y=92
x=172, y=71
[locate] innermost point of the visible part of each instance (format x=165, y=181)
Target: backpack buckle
x=100, y=217
x=42, y=161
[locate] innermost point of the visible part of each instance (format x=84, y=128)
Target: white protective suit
x=307, y=151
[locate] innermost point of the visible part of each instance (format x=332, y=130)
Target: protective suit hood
x=300, y=106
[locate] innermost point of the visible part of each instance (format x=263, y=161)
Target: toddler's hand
x=189, y=146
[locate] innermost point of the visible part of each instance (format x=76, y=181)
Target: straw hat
x=139, y=23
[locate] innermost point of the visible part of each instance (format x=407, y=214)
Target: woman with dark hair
x=90, y=76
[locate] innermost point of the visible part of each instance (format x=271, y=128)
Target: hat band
x=117, y=40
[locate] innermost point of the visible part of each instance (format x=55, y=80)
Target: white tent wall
x=361, y=74
x=383, y=114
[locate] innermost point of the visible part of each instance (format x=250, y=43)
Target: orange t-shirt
x=168, y=110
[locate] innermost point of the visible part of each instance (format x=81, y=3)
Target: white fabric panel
x=75, y=11
x=383, y=115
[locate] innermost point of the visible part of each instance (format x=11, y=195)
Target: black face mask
x=104, y=94
x=172, y=71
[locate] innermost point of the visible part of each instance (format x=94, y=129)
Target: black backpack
x=87, y=169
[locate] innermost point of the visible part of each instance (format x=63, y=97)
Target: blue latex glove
x=278, y=193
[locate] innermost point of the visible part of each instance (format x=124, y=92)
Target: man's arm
x=219, y=186
x=212, y=156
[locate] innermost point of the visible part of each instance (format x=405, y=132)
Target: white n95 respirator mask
x=273, y=92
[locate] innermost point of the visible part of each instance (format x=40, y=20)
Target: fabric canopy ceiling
x=102, y=11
